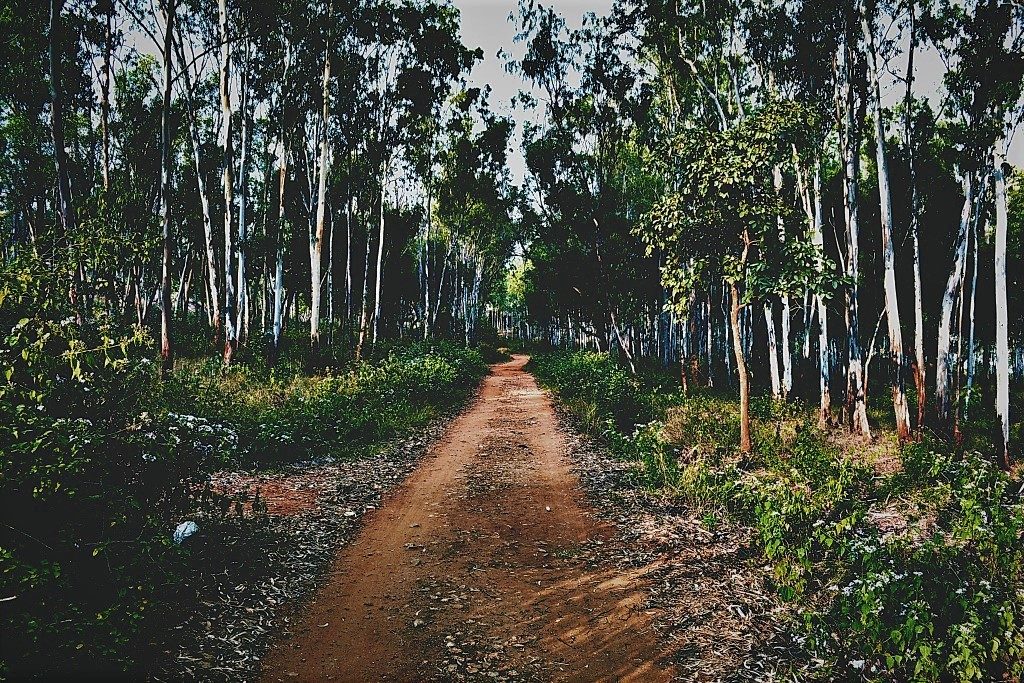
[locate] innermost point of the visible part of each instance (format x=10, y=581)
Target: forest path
x=485, y=564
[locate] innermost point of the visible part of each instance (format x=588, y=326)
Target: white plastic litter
x=184, y=530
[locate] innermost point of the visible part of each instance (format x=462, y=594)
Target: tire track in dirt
x=484, y=565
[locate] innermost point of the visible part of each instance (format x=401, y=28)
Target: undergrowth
x=99, y=461
x=914, y=574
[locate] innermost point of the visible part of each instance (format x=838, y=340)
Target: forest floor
x=487, y=563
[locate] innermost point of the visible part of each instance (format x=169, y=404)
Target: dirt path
x=483, y=565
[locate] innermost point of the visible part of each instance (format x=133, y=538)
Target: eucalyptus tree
x=982, y=44
x=166, y=169
x=475, y=198
x=869, y=21
x=724, y=179
x=67, y=215
x=411, y=55
x=584, y=168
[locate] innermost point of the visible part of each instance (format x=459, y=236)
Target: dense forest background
x=274, y=216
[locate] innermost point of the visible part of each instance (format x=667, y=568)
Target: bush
x=278, y=421
x=91, y=483
x=99, y=461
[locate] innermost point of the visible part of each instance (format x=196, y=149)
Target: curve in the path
x=483, y=565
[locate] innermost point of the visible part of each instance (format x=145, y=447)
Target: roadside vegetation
x=905, y=561
x=103, y=461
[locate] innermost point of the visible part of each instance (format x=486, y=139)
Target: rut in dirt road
x=484, y=565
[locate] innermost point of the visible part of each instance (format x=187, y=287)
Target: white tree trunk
x=364, y=315
x=856, y=392
x=230, y=337
x=979, y=228
x=281, y=240
x=1002, y=368
x=944, y=362
x=899, y=395
x=243, y=197
x=773, y=351
x=786, y=379
x=348, y=251
x=316, y=236
x=166, y=141
x=380, y=256
x=824, y=375
x=211, y=255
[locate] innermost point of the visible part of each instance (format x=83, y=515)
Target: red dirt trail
x=480, y=566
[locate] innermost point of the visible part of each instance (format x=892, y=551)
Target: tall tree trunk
x=824, y=375
x=228, y=181
x=979, y=228
x=348, y=255
x=186, y=273
x=243, y=199
x=166, y=142
x=204, y=199
x=773, y=350
x=786, y=375
x=316, y=238
x=330, y=279
x=108, y=38
x=281, y=226
x=741, y=367
x=944, y=362
x=625, y=343
x=1002, y=322
x=380, y=257
x=899, y=396
x=364, y=313
x=426, y=267
x=856, y=399
x=66, y=209
x=920, y=369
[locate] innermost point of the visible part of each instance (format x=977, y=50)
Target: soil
x=487, y=563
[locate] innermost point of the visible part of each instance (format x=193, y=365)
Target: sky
x=485, y=24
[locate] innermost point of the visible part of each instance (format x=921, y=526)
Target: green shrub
x=280, y=420
x=91, y=483
x=99, y=461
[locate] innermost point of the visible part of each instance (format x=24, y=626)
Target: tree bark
x=856, y=401
x=316, y=238
x=786, y=375
x=108, y=38
x=899, y=396
x=773, y=351
x=944, y=362
x=920, y=369
x=281, y=231
x=741, y=368
x=230, y=337
x=824, y=375
x=426, y=267
x=243, y=200
x=166, y=142
x=348, y=251
x=204, y=200
x=979, y=228
x=1002, y=366
x=364, y=313
x=380, y=257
